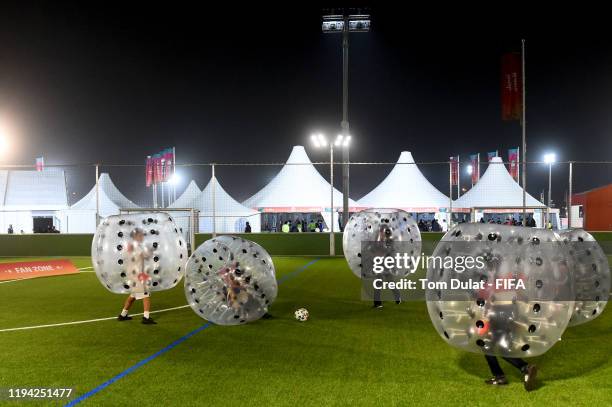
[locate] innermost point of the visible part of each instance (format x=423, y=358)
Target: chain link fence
x=296, y=196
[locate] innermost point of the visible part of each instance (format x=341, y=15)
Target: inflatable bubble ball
x=371, y=227
x=591, y=275
x=230, y=281
x=514, y=298
x=138, y=253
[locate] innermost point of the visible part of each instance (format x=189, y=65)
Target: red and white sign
x=31, y=269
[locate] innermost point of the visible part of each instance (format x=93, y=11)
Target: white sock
x=124, y=312
x=146, y=314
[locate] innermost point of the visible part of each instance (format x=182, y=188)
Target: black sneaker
x=267, y=316
x=531, y=372
x=377, y=305
x=398, y=301
x=123, y=318
x=148, y=321
x=497, y=381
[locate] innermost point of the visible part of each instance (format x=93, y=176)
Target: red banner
x=475, y=163
x=511, y=86
x=513, y=158
x=454, y=170
x=31, y=269
x=149, y=171
x=168, y=155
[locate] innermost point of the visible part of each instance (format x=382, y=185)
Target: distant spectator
x=435, y=226
x=482, y=220
x=22, y=232
x=320, y=225
x=10, y=230
x=286, y=228
x=312, y=226
x=247, y=228
x=299, y=226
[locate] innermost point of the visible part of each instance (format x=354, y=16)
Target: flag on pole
x=149, y=171
x=491, y=154
x=40, y=164
x=511, y=86
x=168, y=155
x=454, y=170
x=513, y=158
x=475, y=163
x=160, y=167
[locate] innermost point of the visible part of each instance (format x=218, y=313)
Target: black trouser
x=496, y=369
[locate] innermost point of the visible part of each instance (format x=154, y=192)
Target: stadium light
x=3, y=140
x=470, y=169
x=345, y=21
x=175, y=179
x=550, y=158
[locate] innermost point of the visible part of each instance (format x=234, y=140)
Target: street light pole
x=344, y=21
x=332, y=239
x=345, y=122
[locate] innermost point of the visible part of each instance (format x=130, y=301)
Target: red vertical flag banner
x=454, y=170
x=491, y=154
x=149, y=171
x=513, y=158
x=475, y=163
x=169, y=163
x=511, y=86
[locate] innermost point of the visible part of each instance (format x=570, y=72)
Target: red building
x=596, y=206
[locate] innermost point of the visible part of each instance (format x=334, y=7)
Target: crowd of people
x=432, y=225
x=301, y=225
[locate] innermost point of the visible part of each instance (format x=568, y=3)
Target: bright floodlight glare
x=175, y=179
x=339, y=140
x=550, y=158
x=315, y=141
x=470, y=169
x=347, y=141
x=322, y=140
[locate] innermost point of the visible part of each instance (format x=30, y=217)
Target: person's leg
x=377, y=301
x=146, y=305
x=499, y=378
x=529, y=372
x=126, y=306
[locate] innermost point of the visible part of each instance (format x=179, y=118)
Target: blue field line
x=173, y=345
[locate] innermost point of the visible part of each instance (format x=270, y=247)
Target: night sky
x=112, y=84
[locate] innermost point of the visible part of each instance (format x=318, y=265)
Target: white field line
x=23, y=328
x=82, y=270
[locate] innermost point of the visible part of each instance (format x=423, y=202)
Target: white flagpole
x=524, y=128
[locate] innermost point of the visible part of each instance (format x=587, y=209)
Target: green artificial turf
x=347, y=354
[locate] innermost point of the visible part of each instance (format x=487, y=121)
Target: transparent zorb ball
x=501, y=316
x=138, y=253
x=230, y=281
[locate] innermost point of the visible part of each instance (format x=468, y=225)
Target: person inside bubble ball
x=497, y=327
x=137, y=253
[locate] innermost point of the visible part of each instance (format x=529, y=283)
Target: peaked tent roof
x=225, y=205
x=298, y=187
x=406, y=188
x=188, y=197
x=496, y=189
x=110, y=198
x=33, y=189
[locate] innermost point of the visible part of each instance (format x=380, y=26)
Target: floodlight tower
x=344, y=21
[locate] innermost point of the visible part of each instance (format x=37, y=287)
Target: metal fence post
x=213, y=182
x=97, y=195
x=569, y=196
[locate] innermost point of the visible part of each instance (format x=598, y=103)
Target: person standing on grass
x=137, y=253
x=247, y=228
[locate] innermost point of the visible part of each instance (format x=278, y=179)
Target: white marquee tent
x=81, y=217
x=230, y=215
x=298, y=187
x=188, y=197
x=497, y=191
x=406, y=188
x=27, y=197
